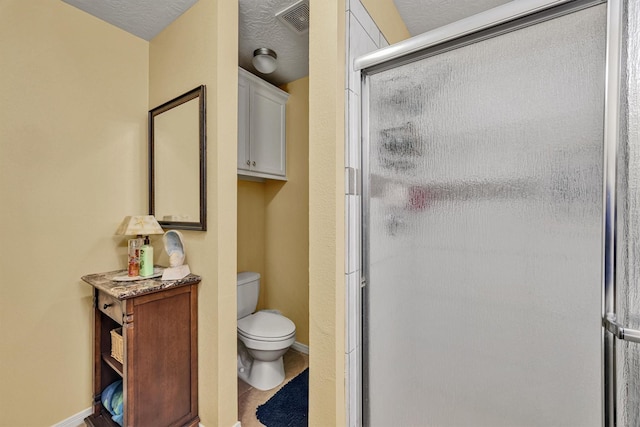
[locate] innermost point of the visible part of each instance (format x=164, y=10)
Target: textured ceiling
x=142, y=18
x=421, y=16
x=259, y=27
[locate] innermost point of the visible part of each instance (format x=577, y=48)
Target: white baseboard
x=299, y=347
x=76, y=420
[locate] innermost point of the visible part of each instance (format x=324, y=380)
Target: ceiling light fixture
x=264, y=59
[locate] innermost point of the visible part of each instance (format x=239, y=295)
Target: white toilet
x=263, y=337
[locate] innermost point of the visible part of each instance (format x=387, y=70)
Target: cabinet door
x=267, y=132
x=162, y=364
x=243, y=123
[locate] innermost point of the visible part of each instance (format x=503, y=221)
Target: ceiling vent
x=296, y=17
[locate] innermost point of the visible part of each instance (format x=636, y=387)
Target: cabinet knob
x=248, y=163
x=254, y=163
x=104, y=307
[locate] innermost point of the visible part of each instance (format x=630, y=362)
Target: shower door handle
x=611, y=324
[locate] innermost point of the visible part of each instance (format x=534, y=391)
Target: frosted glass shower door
x=483, y=221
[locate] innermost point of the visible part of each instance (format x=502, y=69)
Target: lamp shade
x=264, y=60
x=139, y=225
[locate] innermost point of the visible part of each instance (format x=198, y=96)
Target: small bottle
x=146, y=259
x=134, y=257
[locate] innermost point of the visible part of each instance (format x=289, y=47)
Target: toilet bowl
x=263, y=337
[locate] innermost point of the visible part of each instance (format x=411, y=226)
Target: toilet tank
x=248, y=292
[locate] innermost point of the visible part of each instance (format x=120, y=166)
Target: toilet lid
x=263, y=325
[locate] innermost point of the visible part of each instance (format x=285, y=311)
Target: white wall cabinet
x=261, y=128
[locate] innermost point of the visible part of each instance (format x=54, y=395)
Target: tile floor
x=250, y=398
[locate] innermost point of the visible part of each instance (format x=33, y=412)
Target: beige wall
x=389, y=21
x=326, y=214
x=75, y=93
x=326, y=201
x=287, y=220
x=72, y=165
x=201, y=48
x=251, y=229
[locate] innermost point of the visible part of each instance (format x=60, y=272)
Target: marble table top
x=132, y=288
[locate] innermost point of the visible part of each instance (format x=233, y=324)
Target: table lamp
x=140, y=252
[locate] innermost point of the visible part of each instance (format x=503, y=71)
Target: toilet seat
x=244, y=336
x=266, y=326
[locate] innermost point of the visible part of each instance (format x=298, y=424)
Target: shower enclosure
x=490, y=151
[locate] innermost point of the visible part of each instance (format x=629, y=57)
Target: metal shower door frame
x=502, y=19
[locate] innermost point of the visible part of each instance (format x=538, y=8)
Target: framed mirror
x=177, y=162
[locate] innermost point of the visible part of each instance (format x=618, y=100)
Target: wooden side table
x=159, y=367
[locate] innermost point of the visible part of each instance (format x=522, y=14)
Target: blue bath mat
x=289, y=407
